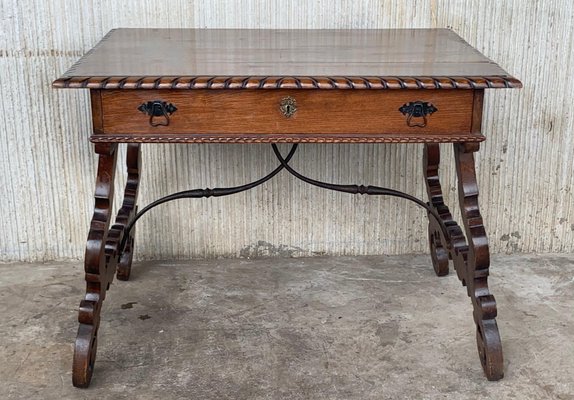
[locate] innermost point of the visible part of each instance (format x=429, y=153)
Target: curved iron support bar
x=361, y=189
x=198, y=193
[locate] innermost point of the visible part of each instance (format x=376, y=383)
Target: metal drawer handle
x=417, y=110
x=158, y=111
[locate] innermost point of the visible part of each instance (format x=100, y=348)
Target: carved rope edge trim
x=295, y=82
x=391, y=139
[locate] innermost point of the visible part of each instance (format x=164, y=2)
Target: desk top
x=284, y=59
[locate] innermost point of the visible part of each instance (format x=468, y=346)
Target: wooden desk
x=287, y=86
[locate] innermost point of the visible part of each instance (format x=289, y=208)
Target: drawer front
x=233, y=113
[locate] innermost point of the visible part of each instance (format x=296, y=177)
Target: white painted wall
x=47, y=164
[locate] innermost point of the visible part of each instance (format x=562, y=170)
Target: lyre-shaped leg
x=438, y=243
x=102, y=255
x=477, y=264
x=95, y=266
x=470, y=254
x=129, y=209
x=442, y=247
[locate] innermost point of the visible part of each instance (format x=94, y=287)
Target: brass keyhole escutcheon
x=288, y=106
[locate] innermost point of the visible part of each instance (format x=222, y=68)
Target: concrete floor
x=316, y=328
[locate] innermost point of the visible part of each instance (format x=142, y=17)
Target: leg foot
x=475, y=263
x=85, y=350
x=490, y=350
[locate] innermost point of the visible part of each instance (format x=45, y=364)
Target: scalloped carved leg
x=129, y=209
x=96, y=268
x=438, y=243
x=477, y=264
x=442, y=247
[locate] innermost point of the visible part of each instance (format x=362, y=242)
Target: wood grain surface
x=319, y=113
x=247, y=58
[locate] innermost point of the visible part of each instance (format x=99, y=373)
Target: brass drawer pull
x=417, y=109
x=158, y=108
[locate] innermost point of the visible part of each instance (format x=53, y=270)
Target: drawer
x=295, y=114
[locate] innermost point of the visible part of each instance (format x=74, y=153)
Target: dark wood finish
x=204, y=114
x=204, y=86
x=284, y=59
x=97, y=274
x=102, y=258
x=470, y=254
x=439, y=246
x=478, y=263
x=127, y=211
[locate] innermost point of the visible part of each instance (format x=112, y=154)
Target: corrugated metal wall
x=47, y=164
